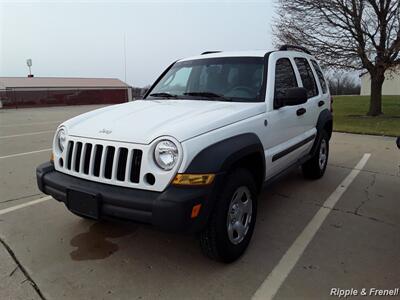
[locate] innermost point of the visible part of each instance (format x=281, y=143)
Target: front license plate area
x=83, y=203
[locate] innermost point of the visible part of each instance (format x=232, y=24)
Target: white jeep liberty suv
x=193, y=155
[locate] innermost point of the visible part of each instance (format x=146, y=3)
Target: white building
x=391, y=85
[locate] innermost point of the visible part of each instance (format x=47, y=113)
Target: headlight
x=61, y=137
x=166, y=154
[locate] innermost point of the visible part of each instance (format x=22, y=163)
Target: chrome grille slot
x=102, y=161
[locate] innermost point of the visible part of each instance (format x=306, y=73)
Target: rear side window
x=307, y=76
x=320, y=76
x=284, y=77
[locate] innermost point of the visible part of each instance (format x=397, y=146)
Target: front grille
x=104, y=161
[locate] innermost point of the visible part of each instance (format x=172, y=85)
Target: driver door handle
x=301, y=111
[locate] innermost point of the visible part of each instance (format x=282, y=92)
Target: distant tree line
x=342, y=83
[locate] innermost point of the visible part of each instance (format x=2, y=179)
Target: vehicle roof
x=248, y=53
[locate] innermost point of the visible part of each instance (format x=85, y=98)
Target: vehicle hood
x=142, y=121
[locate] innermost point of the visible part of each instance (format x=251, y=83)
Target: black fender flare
x=325, y=118
x=221, y=156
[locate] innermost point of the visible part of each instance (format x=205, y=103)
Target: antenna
x=125, y=56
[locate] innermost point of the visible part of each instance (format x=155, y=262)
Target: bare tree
x=347, y=34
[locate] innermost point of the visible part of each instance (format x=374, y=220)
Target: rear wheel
x=231, y=225
x=315, y=167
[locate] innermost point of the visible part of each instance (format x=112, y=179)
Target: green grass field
x=350, y=116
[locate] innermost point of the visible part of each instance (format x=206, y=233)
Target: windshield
x=224, y=79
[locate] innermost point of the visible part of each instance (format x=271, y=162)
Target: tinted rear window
x=320, y=76
x=307, y=76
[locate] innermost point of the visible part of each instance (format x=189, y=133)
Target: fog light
x=193, y=179
x=150, y=179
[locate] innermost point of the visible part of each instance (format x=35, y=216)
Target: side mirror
x=291, y=96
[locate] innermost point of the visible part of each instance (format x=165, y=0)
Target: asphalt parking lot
x=48, y=253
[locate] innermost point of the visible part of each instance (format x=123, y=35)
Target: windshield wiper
x=204, y=94
x=164, y=95
x=209, y=95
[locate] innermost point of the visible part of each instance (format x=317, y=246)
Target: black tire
x=214, y=240
x=313, y=169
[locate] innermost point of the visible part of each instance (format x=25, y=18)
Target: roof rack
x=210, y=52
x=288, y=47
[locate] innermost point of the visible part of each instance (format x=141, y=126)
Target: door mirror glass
x=292, y=96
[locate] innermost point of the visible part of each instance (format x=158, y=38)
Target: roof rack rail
x=288, y=47
x=210, y=52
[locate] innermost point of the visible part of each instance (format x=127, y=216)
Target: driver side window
x=284, y=78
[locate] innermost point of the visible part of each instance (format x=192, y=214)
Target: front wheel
x=231, y=224
x=315, y=167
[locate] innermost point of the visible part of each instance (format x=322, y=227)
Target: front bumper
x=169, y=210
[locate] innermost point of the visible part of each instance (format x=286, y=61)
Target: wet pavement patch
x=95, y=243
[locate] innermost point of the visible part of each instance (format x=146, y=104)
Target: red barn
x=51, y=91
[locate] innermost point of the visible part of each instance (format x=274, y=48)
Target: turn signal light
x=195, y=211
x=193, y=179
x=52, y=157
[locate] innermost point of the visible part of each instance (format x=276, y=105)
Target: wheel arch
x=324, y=122
x=244, y=150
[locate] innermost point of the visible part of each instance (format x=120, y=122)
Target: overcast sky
x=86, y=39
